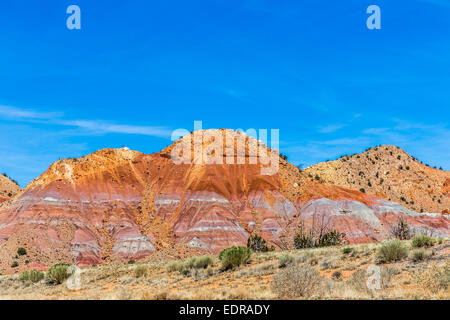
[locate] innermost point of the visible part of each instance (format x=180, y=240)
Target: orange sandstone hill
x=123, y=204
x=389, y=172
x=8, y=188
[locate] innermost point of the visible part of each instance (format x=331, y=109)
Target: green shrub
x=175, y=266
x=308, y=240
x=192, y=263
x=131, y=261
x=347, y=250
x=285, y=260
x=234, y=257
x=422, y=241
x=21, y=251
x=393, y=250
x=203, y=262
x=198, y=262
x=15, y=264
x=58, y=273
x=189, y=263
x=185, y=272
x=257, y=244
x=32, y=275
x=419, y=255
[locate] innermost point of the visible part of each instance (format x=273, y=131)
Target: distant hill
x=8, y=188
x=389, y=172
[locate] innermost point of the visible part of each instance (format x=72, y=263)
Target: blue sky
x=139, y=69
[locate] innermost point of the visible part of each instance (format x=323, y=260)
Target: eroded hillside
x=390, y=173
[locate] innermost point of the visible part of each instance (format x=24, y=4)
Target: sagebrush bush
x=175, y=266
x=419, y=255
x=21, y=251
x=234, y=257
x=203, y=262
x=58, y=273
x=285, y=260
x=422, y=241
x=393, y=250
x=191, y=263
x=141, y=271
x=297, y=282
x=32, y=275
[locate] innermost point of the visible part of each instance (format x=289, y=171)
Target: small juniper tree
x=402, y=230
x=257, y=244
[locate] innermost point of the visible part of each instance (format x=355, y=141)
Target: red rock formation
x=125, y=204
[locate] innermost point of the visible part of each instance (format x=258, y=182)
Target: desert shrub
x=303, y=241
x=419, y=255
x=358, y=281
x=440, y=240
x=310, y=240
x=234, y=256
x=257, y=244
x=21, y=251
x=285, y=260
x=393, y=250
x=337, y=275
x=185, y=272
x=58, y=273
x=297, y=281
x=131, y=261
x=318, y=235
x=191, y=263
x=203, y=262
x=175, y=266
x=386, y=276
x=422, y=241
x=198, y=262
x=401, y=231
x=434, y=278
x=32, y=275
x=331, y=238
x=141, y=271
x=347, y=250
x=15, y=264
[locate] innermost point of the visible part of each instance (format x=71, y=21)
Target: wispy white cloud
x=9, y=112
x=331, y=128
x=93, y=126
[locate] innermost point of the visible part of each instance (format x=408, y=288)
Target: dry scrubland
x=321, y=273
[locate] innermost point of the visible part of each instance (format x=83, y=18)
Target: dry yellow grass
x=151, y=280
